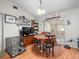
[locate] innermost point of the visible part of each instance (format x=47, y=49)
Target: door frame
x=2, y=29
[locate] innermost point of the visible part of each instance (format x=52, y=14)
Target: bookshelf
x=35, y=25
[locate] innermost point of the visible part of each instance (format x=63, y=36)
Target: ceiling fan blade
x=52, y=18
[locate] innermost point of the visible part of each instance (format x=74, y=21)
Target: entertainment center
x=27, y=32
x=27, y=35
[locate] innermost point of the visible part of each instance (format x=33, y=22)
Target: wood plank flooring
x=60, y=53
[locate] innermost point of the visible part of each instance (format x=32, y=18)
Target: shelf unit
x=13, y=47
x=35, y=25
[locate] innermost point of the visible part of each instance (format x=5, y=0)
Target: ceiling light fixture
x=40, y=10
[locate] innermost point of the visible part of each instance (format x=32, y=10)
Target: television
x=27, y=30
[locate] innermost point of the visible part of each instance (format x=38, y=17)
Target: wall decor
x=68, y=22
x=10, y=19
x=23, y=21
x=17, y=21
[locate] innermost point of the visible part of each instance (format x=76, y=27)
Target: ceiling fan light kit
x=40, y=10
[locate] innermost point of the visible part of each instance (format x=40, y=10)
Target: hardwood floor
x=60, y=53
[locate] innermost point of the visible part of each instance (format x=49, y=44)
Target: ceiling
x=50, y=6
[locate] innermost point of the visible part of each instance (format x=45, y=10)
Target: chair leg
x=52, y=51
x=46, y=52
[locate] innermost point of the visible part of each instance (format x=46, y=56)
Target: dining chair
x=48, y=47
x=37, y=43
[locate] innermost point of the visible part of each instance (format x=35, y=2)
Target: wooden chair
x=48, y=47
x=37, y=43
x=52, y=38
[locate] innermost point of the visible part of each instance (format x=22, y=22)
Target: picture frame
x=10, y=19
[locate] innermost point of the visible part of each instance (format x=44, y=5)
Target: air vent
x=15, y=7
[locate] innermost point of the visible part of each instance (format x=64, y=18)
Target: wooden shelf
x=35, y=25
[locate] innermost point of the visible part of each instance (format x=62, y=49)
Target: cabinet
x=13, y=46
x=28, y=40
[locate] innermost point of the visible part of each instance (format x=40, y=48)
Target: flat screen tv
x=27, y=30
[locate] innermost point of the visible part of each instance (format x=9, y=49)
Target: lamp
x=40, y=10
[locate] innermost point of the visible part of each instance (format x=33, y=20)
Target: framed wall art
x=10, y=19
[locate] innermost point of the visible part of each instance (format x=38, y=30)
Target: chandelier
x=40, y=10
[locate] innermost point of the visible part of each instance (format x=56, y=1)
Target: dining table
x=46, y=37
x=43, y=38
x=40, y=37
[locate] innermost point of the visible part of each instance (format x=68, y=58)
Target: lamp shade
x=41, y=11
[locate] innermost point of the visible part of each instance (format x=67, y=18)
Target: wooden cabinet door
x=28, y=40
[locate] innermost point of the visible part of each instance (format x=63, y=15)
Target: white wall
x=41, y=26
x=6, y=8
x=47, y=27
x=72, y=30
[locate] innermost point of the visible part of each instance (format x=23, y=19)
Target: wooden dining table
x=44, y=38
x=40, y=37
